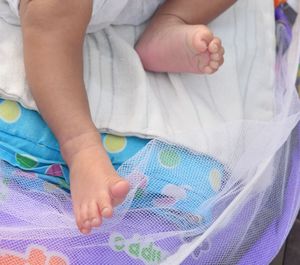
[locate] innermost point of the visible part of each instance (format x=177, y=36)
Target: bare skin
x=53, y=35
x=178, y=40
x=182, y=47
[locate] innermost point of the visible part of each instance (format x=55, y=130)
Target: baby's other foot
x=170, y=45
x=95, y=187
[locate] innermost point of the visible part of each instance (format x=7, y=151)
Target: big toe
x=120, y=189
x=201, y=38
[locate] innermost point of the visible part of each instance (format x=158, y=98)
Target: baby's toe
x=221, y=61
x=215, y=56
x=215, y=45
x=77, y=214
x=208, y=70
x=200, y=46
x=117, y=201
x=214, y=65
x=201, y=39
x=105, y=204
x=218, y=57
x=119, y=190
x=84, y=223
x=203, y=33
x=94, y=215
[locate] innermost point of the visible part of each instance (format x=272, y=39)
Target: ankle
x=163, y=17
x=83, y=141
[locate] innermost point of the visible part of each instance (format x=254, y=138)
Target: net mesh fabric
x=237, y=211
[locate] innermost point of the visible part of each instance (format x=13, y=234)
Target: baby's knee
x=54, y=13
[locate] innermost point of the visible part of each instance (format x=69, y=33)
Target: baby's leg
x=177, y=40
x=53, y=35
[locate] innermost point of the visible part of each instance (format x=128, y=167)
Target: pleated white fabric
x=185, y=109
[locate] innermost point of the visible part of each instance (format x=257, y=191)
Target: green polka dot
x=10, y=111
x=215, y=180
x=169, y=158
x=26, y=161
x=139, y=193
x=114, y=144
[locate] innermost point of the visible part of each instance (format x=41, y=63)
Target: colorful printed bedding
x=184, y=207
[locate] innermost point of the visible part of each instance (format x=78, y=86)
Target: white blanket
x=105, y=12
x=294, y=4
x=185, y=109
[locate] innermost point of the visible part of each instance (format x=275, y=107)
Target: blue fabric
x=27, y=143
x=175, y=181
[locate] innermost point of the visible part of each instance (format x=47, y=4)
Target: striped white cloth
x=186, y=109
x=105, y=12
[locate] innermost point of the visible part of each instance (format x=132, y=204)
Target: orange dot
x=279, y=2
x=57, y=261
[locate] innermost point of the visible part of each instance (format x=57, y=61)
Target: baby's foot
x=95, y=186
x=170, y=45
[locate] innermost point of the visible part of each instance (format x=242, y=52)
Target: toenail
x=87, y=223
x=95, y=221
x=105, y=212
x=84, y=231
x=214, y=65
x=215, y=47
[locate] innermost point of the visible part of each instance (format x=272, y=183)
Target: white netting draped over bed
x=196, y=209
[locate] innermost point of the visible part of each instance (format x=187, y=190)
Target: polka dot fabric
x=28, y=144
